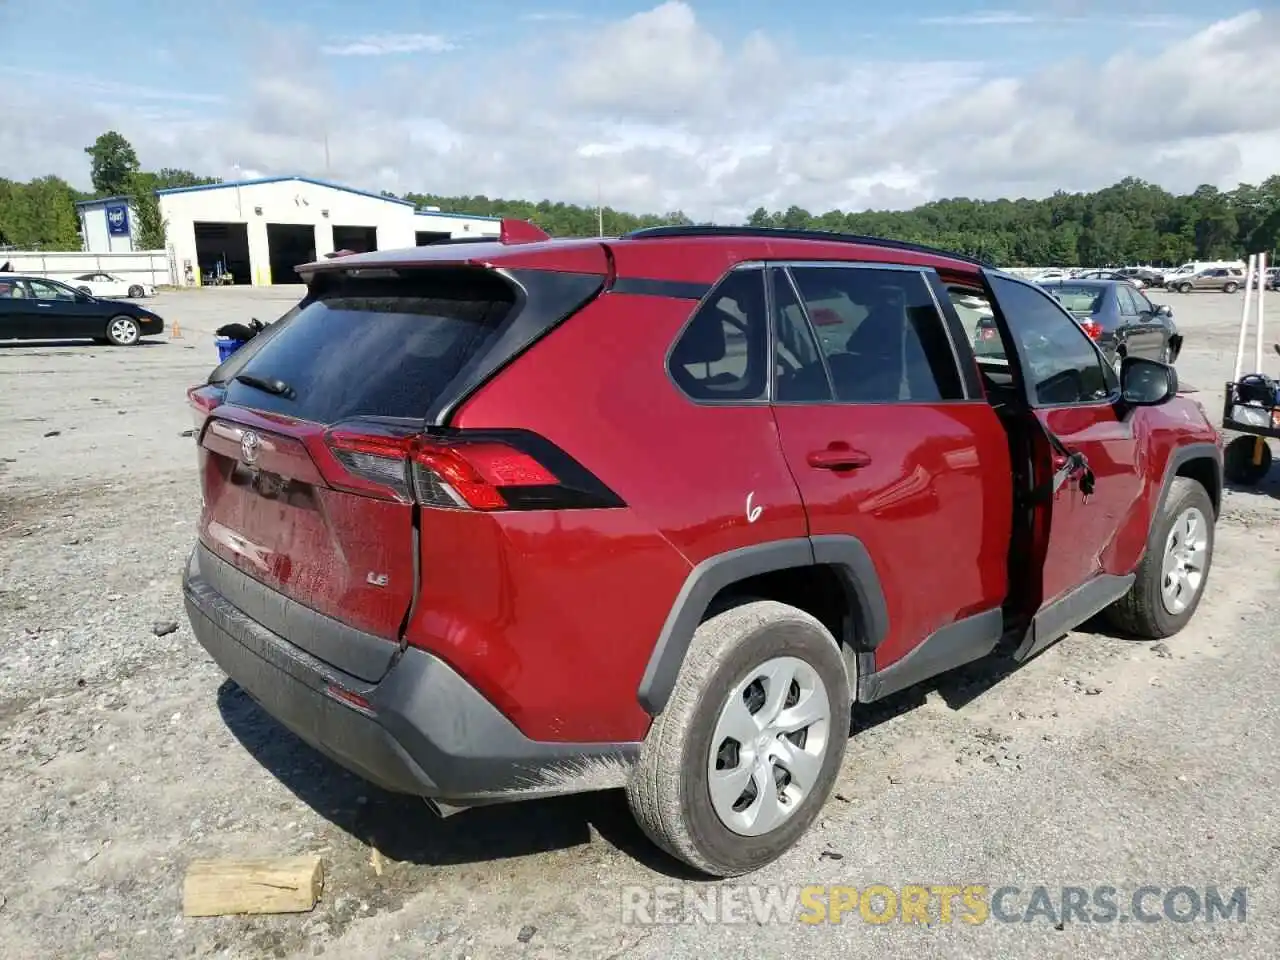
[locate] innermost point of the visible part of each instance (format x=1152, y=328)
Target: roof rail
x=784, y=233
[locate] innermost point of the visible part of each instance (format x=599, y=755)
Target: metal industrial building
x=257, y=231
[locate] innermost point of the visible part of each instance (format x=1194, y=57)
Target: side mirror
x=1147, y=383
x=1164, y=310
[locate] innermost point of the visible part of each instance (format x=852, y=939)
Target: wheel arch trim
x=1179, y=457
x=846, y=554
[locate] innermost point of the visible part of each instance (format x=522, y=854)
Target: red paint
x=521, y=231
x=553, y=614
x=292, y=529
x=932, y=503
x=1158, y=432
x=573, y=602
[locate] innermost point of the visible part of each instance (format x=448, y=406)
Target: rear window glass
x=1079, y=298
x=374, y=347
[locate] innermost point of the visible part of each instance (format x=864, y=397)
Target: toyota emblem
x=250, y=444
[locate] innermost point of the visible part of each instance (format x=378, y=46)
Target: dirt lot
x=124, y=753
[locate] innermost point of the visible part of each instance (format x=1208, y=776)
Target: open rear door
x=1080, y=460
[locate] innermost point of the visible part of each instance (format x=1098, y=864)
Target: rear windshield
x=374, y=347
x=1079, y=298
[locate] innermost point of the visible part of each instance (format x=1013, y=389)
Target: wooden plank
x=283, y=885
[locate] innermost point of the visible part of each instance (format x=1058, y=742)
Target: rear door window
x=372, y=347
x=881, y=334
x=1128, y=302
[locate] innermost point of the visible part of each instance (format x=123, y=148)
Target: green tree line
x=1131, y=222
x=41, y=215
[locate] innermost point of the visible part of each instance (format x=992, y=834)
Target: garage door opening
x=424, y=237
x=222, y=251
x=355, y=239
x=288, y=245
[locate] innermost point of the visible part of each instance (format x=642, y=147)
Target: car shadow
x=68, y=344
x=958, y=688
x=404, y=828
x=1268, y=486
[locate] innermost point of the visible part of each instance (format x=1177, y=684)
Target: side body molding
x=846, y=554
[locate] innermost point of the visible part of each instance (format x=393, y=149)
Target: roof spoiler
x=521, y=231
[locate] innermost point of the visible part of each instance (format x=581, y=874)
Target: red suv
x=490, y=521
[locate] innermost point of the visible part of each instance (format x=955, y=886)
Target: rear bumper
x=427, y=731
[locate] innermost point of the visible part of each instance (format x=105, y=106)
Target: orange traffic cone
x=176, y=332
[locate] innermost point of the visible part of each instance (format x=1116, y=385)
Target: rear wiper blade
x=277, y=387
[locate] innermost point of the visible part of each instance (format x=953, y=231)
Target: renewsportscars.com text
x=970, y=904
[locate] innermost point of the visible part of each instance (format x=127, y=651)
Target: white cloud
x=661, y=112
x=55, y=83
x=382, y=44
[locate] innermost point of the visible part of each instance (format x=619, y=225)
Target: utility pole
x=326, y=154
x=599, y=209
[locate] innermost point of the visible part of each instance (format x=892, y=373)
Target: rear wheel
x=123, y=331
x=1184, y=288
x=738, y=765
x=135, y=291
x=1174, y=571
x=1230, y=287
x=1238, y=461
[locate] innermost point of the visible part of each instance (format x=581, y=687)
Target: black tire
x=123, y=331
x=1184, y=288
x=669, y=792
x=1230, y=287
x=1237, y=461
x=1142, y=611
x=136, y=292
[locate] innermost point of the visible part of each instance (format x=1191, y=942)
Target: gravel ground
x=124, y=752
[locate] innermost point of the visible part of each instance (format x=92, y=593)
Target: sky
x=713, y=107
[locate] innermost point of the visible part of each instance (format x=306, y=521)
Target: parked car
x=1225, y=279
x=1192, y=268
x=477, y=552
x=37, y=308
x=111, y=285
x=1120, y=319
x=1110, y=275
x=1149, y=276
x=1270, y=278
x=1053, y=273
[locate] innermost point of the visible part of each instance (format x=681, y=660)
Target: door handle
x=838, y=458
x=44, y=306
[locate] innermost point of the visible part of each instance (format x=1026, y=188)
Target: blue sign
x=118, y=220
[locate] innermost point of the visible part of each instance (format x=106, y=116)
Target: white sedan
x=111, y=285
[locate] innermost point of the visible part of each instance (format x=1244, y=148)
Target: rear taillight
x=469, y=471
x=203, y=399
x=1092, y=328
